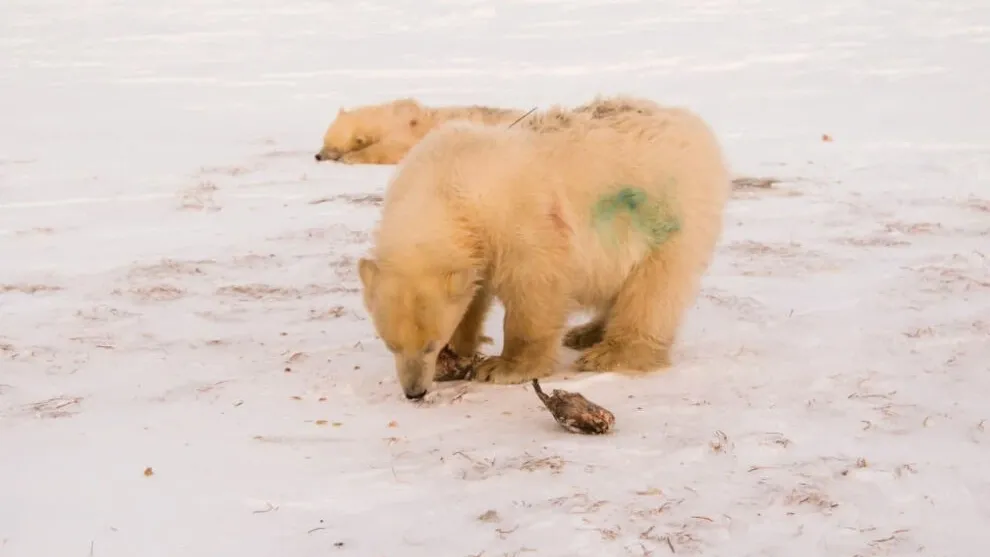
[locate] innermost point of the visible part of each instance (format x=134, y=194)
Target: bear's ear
x=341, y=111
x=368, y=272
x=459, y=283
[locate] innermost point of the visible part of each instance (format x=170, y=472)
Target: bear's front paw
x=500, y=371
x=629, y=357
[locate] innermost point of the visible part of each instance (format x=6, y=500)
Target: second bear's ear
x=459, y=283
x=368, y=271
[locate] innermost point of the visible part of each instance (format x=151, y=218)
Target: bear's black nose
x=318, y=157
x=416, y=396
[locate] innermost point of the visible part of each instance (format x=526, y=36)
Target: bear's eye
x=430, y=347
x=391, y=347
x=360, y=142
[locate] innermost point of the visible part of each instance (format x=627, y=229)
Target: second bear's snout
x=326, y=155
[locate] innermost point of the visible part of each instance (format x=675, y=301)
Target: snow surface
x=178, y=289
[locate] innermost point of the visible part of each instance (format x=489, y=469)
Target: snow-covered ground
x=186, y=368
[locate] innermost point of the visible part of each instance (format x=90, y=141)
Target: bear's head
x=415, y=313
x=356, y=129
x=348, y=132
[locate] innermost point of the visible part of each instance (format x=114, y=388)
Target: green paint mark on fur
x=651, y=218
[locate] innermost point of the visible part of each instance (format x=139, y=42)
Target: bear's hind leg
x=589, y=334
x=586, y=335
x=533, y=326
x=643, y=322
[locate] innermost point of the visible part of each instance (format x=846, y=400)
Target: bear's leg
x=589, y=334
x=467, y=337
x=533, y=326
x=644, y=320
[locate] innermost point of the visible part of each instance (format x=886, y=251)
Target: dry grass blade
x=520, y=119
x=753, y=183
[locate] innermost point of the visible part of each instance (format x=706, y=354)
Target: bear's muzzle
x=328, y=155
x=413, y=379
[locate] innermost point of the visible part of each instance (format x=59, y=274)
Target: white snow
x=200, y=314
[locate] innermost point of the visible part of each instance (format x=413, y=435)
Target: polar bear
x=619, y=215
x=384, y=133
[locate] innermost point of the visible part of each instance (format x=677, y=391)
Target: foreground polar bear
x=620, y=216
x=384, y=133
